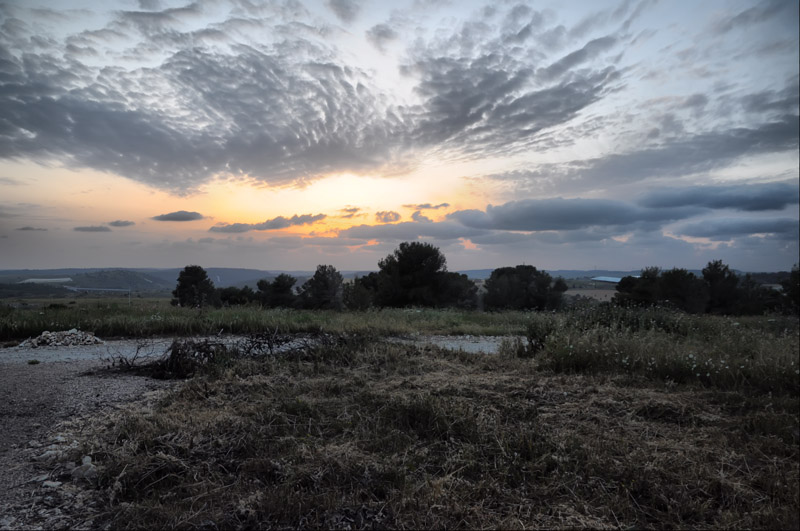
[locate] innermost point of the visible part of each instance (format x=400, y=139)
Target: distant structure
x=44, y=280
x=610, y=280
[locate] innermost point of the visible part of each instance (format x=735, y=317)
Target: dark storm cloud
x=567, y=214
x=180, y=215
x=279, y=222
x=727, y=228
x=387, y=216
x=121, y=223
x=345, y=10
x=380, y=35
x=92, y=228
x=747, y=197
x=27, y=228
x=427, y=206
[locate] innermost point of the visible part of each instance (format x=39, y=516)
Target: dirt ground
x=37, y=401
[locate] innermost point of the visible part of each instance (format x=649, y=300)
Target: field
x=596, y=417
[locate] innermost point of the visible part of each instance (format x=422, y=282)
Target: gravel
x=38, y=401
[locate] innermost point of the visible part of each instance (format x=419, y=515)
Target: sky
x=286, y=134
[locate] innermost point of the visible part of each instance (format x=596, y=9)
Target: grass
x=361, y=433
x=596, y=417
x=157, y=318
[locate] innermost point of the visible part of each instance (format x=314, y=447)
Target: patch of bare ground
x=363, y=434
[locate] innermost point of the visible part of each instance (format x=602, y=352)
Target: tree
x=278, y=293
x=722, y=287
x=194, y=288
x=411, y=276
x=324, y=290
x=684, y=290
x=791, y=289
x=360, y=294
x=456, y=290
x=522, y=287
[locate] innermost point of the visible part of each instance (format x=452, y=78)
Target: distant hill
x=483, y=274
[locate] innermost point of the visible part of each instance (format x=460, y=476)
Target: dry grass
x=363, y=434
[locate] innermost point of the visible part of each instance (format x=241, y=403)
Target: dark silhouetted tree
x=233, y=296
x=194, y=288
x=722, y=287
x=683, y=290
x=411, y=276
x=456, y=290
x=278, y=293
x=360, y=294
x=324, y=290
x=791, y=290
x=522, y=288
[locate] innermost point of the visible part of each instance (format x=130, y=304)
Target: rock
x=62, y=339
x=85, y=471
x=49, y=455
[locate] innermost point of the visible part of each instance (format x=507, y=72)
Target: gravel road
x=36, y=401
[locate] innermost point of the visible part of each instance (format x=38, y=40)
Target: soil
x=42, y=392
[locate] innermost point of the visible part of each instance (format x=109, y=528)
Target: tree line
x=416, y=274
x=719, y=290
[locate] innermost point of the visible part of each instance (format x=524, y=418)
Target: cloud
x=387, y=216
x=279, y=222
x=746, y=197
x=727, y=228
x=589, y=51
x=26, y=228
x=312, y=114
x=180, y=215
x=121, y=223
x=427, y=206
x=345, y=10
x=92, y=228
x=380, y=35
x=760, y=13
x=566, y=214
x=673, y=157
x=349, y=212
x=420, y=217
x=410, y=230
x=9, y=181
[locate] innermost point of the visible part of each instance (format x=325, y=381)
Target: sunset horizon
x=284, y=135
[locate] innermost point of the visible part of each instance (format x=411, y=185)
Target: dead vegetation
x=357, y=433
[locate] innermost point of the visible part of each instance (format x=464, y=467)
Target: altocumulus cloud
x=121, y=223
x=279, y=222
x=180, y=215
x=92, y=228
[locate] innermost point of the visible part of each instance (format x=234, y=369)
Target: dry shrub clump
x=353, y=433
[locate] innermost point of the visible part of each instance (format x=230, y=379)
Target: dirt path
x=37, y=403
